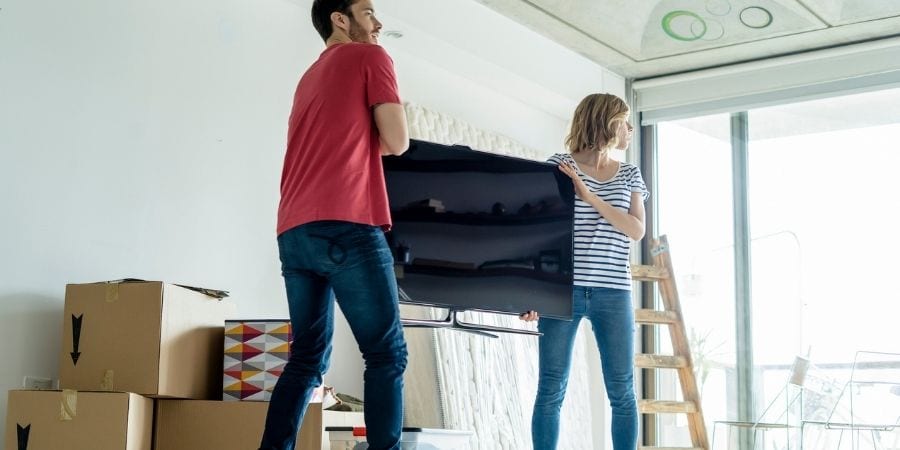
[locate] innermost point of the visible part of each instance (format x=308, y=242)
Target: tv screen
x=479, y=231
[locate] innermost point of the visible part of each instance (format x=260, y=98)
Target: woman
x=609, y=215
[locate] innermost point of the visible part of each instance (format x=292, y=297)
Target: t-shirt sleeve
x=556, y=158
x=381, y=81
x=636, y=183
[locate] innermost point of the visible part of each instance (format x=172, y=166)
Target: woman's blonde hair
x=595, y=121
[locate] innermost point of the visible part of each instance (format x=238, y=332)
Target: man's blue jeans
x=612, y=318
x=321, y=261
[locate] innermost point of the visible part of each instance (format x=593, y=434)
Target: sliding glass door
x=695, y=212
x=823, y=206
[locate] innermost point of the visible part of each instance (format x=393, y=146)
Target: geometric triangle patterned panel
x=254, y=376
x=234, y=374
x=234, y=349
x=232, y=384
x=233, y=328
x=253, y=367
x=251, y=332
x=244, y=375
x=259, y=359
x=276, y=370
x=250, y=388
x=229, y=382
x=277, y=347
x=283, y=337
x=231, y=395
x=243, y=351
x=278, y=328
x=279, y=356
x=277, y=339
x=258, y=341
x=231, y=362
x=271, y=377
x=242, y=331
x=256, y=352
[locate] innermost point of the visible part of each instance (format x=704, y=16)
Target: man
x=331, y=223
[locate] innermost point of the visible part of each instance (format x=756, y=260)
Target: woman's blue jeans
x=321, y=261
x=611, y=314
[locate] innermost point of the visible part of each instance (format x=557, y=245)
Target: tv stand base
x=453, y=322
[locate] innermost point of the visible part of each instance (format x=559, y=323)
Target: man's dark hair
x=321, y=14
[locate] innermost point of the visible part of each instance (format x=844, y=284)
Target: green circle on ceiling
x=672, y=15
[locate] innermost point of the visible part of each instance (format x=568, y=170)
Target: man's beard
x=357, y=34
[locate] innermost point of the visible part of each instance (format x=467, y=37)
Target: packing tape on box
x=68, y=402
x=107, y=383
x=112, y=292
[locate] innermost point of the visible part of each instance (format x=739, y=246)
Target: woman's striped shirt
x=601, y=252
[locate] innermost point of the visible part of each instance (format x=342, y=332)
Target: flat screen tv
x=479, y=231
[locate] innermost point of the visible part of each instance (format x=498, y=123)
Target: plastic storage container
x=354, y=438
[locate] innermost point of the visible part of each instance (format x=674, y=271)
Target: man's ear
x=339, y=21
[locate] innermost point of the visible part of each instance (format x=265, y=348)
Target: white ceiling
x=472, y=41
x=646, y=38
x=596, y=44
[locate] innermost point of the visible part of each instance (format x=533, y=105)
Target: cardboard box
x=256, y=352
x=146, y=337
x=54, y=420
x=221, y=425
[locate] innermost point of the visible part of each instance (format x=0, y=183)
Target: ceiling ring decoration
x=714, y=30
x=695, y=33
x=756, y=17
x=718, y=7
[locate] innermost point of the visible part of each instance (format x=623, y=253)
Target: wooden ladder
x=661, y=272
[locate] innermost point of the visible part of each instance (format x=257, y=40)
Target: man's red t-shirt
x=332, y=169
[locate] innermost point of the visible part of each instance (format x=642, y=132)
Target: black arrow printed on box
x=76, y=336
x=22, y=434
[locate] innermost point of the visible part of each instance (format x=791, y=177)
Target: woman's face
x=624, y=133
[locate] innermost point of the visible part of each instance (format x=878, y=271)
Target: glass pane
x=695, y=212
x=823, y=202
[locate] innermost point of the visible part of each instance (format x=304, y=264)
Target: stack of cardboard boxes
x=141, y=368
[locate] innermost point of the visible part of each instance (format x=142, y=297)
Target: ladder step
x=654, y=316
x=650, y=361
x=642, y=272
x=666, y=406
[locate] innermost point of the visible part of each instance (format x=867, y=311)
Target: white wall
x=139, y=139
x=145, y=139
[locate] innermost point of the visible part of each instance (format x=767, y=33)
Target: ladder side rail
x=671, y=302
